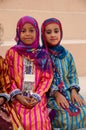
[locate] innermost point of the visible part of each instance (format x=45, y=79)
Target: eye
x=48, y=32
x=23, y=30
x=56, y=30
x=32, y=30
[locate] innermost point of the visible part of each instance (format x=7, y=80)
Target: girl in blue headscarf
x=63, y=97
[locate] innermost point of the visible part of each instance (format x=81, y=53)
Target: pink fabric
x=33, y=51
x=37, y=117
x=20, y=24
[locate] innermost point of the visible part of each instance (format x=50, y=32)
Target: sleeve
x=56, y=84
x=4, y=77
x=5, y=95
x=72, y=74
x=13, y=90
x=54, y=88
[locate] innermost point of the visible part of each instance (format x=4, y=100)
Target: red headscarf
x=33, y=51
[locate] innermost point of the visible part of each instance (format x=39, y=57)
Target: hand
x=2, y=100
x=26, y=101
x=61, y=100
x=76, y=97
x=33, y=102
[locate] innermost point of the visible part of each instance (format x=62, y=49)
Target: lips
x=28, y=38
x=53, y=39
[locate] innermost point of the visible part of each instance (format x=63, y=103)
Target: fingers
x=31, y=102
x=63, y=104
x=84, y=102
x=72, y=99
x=79, y=100
x=61, y=101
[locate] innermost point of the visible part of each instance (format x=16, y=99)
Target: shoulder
x=11, y=51
x=68, y=53
x=1, y=59
x=69, y=56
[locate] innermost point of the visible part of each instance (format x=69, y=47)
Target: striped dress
x=4, y=78
x=63, y=120
x=5, y=85
x=37, y=117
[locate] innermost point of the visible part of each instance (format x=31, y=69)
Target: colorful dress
x=67, y=70
x=37, y=117
x=5, y=84
x=4, y=78
x=65, y=79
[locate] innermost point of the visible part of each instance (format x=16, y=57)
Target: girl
x=64, y=97
x=31, y=76
x=6, y=121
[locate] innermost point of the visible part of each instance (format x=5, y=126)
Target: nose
x=27, y=33
x=52, y=34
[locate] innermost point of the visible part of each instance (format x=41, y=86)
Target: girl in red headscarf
x=31, y=76
x=64, y=98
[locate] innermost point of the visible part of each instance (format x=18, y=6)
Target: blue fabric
x=14, y=93
x=68, y=74
x=60, y=51
x=64, y=71
x=5, y=95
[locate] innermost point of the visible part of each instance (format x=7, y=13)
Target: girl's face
x=52, y=34
x=28, y=34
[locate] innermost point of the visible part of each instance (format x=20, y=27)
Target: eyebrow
x=56, y=28
x=30, y=27
x=51, y=29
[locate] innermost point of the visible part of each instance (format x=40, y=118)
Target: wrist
x=14, y=93
x=56, y=94
x=74, y=90
x=17, y=96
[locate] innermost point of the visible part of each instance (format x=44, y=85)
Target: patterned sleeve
x=56, y=84
x=72, y=74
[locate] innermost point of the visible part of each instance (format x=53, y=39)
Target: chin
x=27, y=44
x=54, y=44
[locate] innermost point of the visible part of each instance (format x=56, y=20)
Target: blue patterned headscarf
x=57, y=50
x=47, y=22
